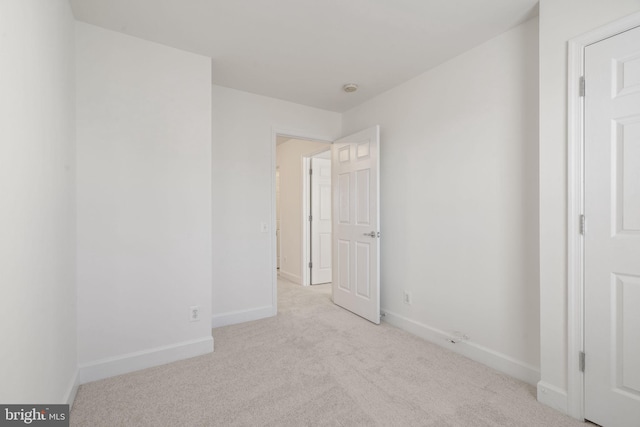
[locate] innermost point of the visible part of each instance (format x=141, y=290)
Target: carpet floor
x=315, y=364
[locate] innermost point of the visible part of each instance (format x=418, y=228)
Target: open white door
x=356, y=223
x=321, y=220
x=612, y=235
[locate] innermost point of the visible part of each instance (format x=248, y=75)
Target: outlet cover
x=406, y=297
x=194, y=313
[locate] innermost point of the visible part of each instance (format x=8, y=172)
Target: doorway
x=355, y=212
x=293, y=205
x=604, y=278
x=612, y=243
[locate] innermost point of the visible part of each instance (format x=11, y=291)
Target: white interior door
x=321, y=220
x=612, y=237
x=356, y=223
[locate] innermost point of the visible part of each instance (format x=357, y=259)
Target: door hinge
x=582, y=86
x=310, y=264
x=583, y=224
x=581, y=361
x=310, y=218
x=310, y=171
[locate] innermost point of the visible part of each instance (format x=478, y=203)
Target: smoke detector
x=350, y=87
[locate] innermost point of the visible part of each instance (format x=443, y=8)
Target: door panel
x=343, y=266
x=356, y=284
x=362, y=195
x=612, y=238
x=627, y=136
x=344, y=185
x=363, y=279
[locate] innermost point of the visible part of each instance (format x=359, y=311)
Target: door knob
x=372, y=234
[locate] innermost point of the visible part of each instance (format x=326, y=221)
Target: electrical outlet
x=460, y=335
x=406, y=297
x=194, y=313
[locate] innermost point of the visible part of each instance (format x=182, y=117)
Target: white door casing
x=277, y=218
x=612, y=237
x=321, y=232
x=356, y=223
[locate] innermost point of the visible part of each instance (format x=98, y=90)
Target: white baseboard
x=498, y=361
x=234, y=317
x=113, y=366
x=552, y=396
x=290, y=277
x=72, y=389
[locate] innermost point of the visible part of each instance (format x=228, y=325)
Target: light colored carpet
x=315, y=364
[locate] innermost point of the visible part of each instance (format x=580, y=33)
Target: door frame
x=306, y=203
x=290, y=133
x=575, y=205
x=275, y=228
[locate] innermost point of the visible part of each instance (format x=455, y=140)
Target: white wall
x=560, y=21
x=459, y=205
x=243, y=194
x=37, y=218
x=143, y=202
x=289, y=157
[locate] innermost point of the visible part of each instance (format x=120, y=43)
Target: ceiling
x=304, y=51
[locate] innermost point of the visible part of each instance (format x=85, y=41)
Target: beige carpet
x=315, y=364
